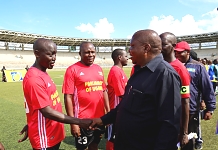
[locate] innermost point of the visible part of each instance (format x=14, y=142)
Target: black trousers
x=192, y=127
x=214, y=86
x=56, y=147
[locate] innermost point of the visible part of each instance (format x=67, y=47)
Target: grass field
x=12, y=117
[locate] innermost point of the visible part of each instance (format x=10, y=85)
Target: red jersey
x=87, y=84
x=132, y=71
x=185, y=77
x=39, y=92
x=116, y=80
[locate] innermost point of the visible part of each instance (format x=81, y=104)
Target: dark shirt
x=3, y=71
x=200, y=87
x=148, y=117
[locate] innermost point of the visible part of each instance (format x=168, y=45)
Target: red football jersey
x=87, y=84
x=185, y=77
x=39, y=92
x=116, y=80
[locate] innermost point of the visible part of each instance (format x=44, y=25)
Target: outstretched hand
x=85, y=123
x=25, y=131
x=96, y=122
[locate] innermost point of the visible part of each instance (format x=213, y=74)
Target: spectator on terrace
x=3, y=74
x=27, y=67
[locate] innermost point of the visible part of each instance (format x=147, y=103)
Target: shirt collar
x=152, y=65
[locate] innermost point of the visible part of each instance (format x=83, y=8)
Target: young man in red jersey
x=85, y=96
x=42, y=102
x=168, y=43
x=116, y=80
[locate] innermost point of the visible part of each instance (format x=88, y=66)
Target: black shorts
x=89, y=136
x=110, y=133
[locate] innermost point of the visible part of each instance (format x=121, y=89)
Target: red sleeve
x=185, y=79
x=132, y=71
x=68, y=83
x=38, y=93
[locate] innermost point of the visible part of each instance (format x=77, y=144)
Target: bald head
x=169, y=41
x=169, y=36
x=150, y=37
x=43, y=44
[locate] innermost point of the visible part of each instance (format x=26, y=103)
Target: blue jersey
x=200, y=87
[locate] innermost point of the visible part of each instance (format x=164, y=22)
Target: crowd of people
x=212, y=69
x=157, y=107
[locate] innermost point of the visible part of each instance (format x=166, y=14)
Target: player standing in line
x=85, y=96
x=116, y=80
x=168, y=43
x=42, y=102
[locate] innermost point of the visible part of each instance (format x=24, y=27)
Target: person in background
x=3, y=74
x=204, y=62
x=45, y=119
x=194, y=55
x=200, y=88
x=213, y=73
x=27, y=67
x=148, y=116
x=116, y=80
x=168, y=43
x=85, y=96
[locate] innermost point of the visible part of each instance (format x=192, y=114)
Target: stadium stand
x=16, y=48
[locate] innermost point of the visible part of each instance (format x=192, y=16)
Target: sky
x=105, y=19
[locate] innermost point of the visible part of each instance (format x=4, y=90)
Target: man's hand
x=96, y=122
x=75, y=130
x=1, y=146
x=208, y=115
x=183, y=140
x=25, y=131
x=85, y=123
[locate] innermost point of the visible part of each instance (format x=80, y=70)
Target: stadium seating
x=12, y=59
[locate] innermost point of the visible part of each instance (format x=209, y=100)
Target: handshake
x=82, y=123
x=90, y=123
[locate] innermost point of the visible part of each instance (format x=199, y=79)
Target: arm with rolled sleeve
x=169, y=111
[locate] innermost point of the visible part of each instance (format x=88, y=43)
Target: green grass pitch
x=12, y=117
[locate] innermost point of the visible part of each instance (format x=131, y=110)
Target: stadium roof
x=28, y=38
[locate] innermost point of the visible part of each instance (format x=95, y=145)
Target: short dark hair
x=194, y=55
x=116, y=53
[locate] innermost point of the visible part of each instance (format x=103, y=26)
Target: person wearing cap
x=200, y=88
